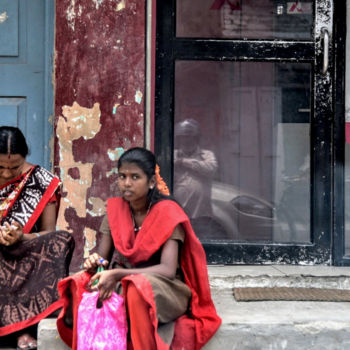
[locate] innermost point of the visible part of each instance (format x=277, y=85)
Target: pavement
x=265, y=325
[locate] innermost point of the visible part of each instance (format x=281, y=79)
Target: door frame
x=171, y=48
x=49, y=86
x=339, y=257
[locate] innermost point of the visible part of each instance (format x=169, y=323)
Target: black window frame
x=340, y=259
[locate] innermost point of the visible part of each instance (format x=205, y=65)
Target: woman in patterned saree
x=33, y=256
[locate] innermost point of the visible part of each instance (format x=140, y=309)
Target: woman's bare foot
x=26, y=342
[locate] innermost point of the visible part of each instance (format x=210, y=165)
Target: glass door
x=243, y=125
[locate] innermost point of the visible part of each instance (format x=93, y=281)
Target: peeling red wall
x=99, y=106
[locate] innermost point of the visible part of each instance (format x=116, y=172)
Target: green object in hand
x=99, y=269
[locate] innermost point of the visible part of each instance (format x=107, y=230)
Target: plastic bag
x=102, y=328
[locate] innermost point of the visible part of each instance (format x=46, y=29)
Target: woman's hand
x=93, y=262
x=10, y=234
x=107, y=281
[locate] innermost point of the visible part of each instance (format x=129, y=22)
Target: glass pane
x=242, y=149
x=347, y=144
x=250, y=19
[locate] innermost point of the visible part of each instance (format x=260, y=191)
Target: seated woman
x=33, y=257
x=154, y=253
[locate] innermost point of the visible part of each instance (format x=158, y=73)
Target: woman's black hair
x=146, y=161
x=12, y=141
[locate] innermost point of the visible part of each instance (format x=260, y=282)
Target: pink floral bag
x=103, y=328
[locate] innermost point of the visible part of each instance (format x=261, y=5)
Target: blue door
x=26, y=46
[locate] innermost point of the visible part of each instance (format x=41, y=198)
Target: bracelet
x=36, y=234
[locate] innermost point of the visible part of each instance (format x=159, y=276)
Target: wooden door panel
x=9, y=28
x=23, y=74
x=13, y=112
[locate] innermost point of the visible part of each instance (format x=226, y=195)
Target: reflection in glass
x=195, y=168
x=242, y=149
x=250, y=19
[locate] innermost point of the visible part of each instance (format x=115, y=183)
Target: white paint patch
x=71, y=14
x=79, y=118
x=3, y=17
x=113, y=171
x=90, y=241
x=138, y=96
x=121, y=5
x=97, y=3
x=115, y=107
x=114, y=154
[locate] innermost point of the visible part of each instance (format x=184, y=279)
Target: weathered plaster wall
x=99, y=106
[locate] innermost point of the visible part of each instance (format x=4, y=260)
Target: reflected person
x=194, y=169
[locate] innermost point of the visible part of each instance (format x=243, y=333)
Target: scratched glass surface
x=242, y=149
x=245, y=19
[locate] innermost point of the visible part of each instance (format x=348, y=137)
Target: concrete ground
x=265, y=325
x=271, y=325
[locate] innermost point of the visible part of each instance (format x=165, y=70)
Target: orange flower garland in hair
x=161, y=185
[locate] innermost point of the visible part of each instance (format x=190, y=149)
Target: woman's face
x=11, y=166
x=133, y=183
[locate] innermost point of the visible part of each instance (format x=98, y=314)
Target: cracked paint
x=98, y=206
x=112, y=172
x=115, y=107
x=114, y=154
x=138, y=96
x=71, y=14
x=91, y=37
x=77, y=122
x=121, y=5
x=97, y=3
x=90, y=241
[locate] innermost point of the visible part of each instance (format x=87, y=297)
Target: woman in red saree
x=153, y=253
x=33, y=257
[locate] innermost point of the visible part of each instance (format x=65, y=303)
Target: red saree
x=192, y=330
x=31, y=269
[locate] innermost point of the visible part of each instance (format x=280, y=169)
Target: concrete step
x=265, y=325
x=229, y=277
x=48, y=337
x=280, y=324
